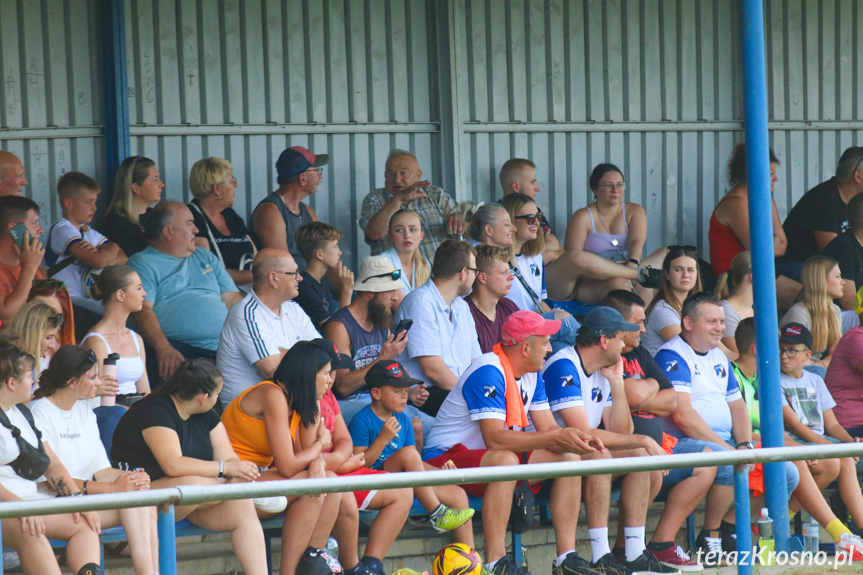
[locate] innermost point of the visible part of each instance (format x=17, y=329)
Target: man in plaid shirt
x=405, y=188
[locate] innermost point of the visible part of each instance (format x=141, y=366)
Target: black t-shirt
x=846, y=250
x=639, y=364
x=232, y=247
x=129, y=236
x=820, y=209
x=130, y=451
x=316, y=298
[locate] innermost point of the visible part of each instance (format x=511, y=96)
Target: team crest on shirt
x=596, y=395
x=524, y=396
x=566, y=381
x=696, y=371
x=490, y=391
x=206, y=270
x=534, y=269
x=671, y=365
x=719, y=369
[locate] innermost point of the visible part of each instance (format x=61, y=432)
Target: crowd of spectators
x=210, y=351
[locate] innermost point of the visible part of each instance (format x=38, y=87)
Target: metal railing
x=167, y=499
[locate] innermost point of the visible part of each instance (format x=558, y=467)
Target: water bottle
x=765, y=537
x=332, y=547
x=109, y=367
x=811, y=536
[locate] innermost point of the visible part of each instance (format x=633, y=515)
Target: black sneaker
x=708, y=548
x=647, y=563
x=318, y=562
x=728, y=534
x=649, y=277
x=609, y=565
x=573, y=565
x=506, y=566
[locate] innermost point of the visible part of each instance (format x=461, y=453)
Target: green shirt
x=749, y=389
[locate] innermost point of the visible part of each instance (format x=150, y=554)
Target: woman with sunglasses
x=137, y=187
x=729, y=227
x=822, y=284
x=34, y=329
x=176, y=437
x=734, y=288
x=612, y=229
x=220, y=229
x=54, y=293
x=25, y=457
x=256, y=421
x=405, y=235
x=70, y=427
x=681, y=277
x=528, y=288
x=119, y=289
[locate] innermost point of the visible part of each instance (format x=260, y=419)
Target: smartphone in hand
x=404, y=326
x=17, y=234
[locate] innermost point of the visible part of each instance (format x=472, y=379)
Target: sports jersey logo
x=490, y=391
x=697, y=370
x=671, y=365
x=566, y=381
x=632, y=369
x=534, y=269
x=596, y=394
x=719, y=369
x=524, y=397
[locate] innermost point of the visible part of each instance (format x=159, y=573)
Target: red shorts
x=465, y=458
x=364, y=497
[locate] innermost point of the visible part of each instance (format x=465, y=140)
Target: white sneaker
x=850, y=544
x=275, y=504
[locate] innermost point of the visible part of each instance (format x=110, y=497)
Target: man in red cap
x=278, y=216
x=483, y=423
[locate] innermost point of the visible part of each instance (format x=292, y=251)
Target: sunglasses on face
x=395, y=275
x=531, y=218
x=52, y=285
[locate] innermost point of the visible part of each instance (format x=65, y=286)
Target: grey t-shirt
x=809, y=398
x=799, y=314
x=661, y=316
x=732, y=318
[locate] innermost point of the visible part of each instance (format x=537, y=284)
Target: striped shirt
x=251, y=333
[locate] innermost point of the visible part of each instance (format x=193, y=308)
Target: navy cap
x=296, y=160
x=337, y=360
x=389, y=372
x=795, y=333
x=604, y=321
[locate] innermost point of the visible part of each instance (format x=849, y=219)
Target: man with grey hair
x=822, y=213
x=405, y=188
x=12, y=177
x=260, y=330
x=188, y=290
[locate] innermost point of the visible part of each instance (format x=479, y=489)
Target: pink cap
x=523, y=324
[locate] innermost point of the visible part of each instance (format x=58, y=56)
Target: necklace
x=614, y=241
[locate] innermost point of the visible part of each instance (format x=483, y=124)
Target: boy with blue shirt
x=384, y=434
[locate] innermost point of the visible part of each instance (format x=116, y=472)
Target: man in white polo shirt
x=260, y=329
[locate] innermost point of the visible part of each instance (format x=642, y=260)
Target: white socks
x=599, y=542
x=634, y=542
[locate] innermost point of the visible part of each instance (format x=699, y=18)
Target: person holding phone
x=21, y=252
x=362, y=331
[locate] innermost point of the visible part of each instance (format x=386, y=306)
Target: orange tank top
x=249, y=435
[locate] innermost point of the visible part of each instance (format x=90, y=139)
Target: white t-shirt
x=62, y=236
x=709, y=380
x=480, y=394
x=23, y=488
x=251, y=333
x=532, y=271
x=567, y=385
x=661, y=316
x=809, y=397
x=74, y=437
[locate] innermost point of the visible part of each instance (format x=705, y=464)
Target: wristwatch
x=746, y=444
x=221, y=468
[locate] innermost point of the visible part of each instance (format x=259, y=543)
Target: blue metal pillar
x=744, y=533
x=761, y=240
x=167, y=540
x=115, y=86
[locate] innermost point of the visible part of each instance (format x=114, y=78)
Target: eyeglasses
x=318, y=170
x=52, y=285
x=395, y=275
x=531, y=218
x=295, y=274
x=88, y=362
x=474, y=270
x=232, y=181
x=608, y=187
x=55, y=321
x=790, y=352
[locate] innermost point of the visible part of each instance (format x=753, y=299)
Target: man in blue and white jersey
x=710, y=414
x=483, y=422
x=585, y=388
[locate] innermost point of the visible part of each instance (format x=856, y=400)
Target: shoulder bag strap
x=517, y=273
x=209, y=232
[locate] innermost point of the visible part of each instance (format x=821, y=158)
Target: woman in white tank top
x=120, y=291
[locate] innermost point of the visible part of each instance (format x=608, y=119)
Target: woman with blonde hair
x=734, y=288
x=137, y=187
x=34, y=329
x=220, y=229
x=405, y=235
x=528, y=289
x=822, y=283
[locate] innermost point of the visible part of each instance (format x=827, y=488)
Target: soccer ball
x=457, y=559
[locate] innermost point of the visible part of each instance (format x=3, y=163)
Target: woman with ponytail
x=138, y=186
x=70, y=427
x=734, y=288
x=405, y=235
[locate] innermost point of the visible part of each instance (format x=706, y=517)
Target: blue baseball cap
x=296, y=160
x=604, y=321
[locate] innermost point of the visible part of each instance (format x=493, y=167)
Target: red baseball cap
x=523, y=324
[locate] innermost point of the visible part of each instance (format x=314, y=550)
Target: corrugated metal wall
x=50, y=102
x=651, y=85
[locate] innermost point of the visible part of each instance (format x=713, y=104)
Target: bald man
x=12, y=177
